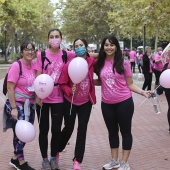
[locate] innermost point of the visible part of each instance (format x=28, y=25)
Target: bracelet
x=14, y=108
x=141, y=93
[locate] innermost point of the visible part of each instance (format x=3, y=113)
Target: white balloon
x=78, y=69
x=25, y=131
x=43, y=86
x=165, y=78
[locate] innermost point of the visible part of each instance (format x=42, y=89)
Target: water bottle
x=156, y=105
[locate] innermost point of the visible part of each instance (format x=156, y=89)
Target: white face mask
x=54, y=43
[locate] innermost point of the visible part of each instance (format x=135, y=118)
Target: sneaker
x=15, y=163
x=46, y=165
x=112, y=164
x=124, y=166
x=25, y=166
x=76, y=165
x=54, y=164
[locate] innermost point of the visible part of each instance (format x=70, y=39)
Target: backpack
x=6, y=77
x=43, y=58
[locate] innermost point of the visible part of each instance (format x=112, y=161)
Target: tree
x=87, y=19
x=31, y=19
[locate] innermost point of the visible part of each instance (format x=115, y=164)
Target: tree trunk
x=156, y=37
x=131, y=43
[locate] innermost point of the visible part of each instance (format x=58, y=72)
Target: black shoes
x=25, y=166
x=15, y=163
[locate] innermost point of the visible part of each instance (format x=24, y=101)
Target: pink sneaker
x=76, y=165
x=57, y=158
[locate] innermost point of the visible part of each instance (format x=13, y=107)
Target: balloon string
x=156, y=89
x=71, y=103
x=147, y=98
x=5, y=103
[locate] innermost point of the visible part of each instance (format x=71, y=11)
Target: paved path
x=151, y=141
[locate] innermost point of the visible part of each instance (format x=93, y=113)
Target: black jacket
x=146, y=64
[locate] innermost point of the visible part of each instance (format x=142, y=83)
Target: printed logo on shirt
x=109, y=80
x=54, y=70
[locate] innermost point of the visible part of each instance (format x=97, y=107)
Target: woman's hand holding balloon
x=38, y=101
x=147, y=94
x=14, y=113
x=74, y=89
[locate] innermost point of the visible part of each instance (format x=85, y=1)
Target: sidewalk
x=150, y=149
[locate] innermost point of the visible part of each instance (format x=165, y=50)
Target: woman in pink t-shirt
x=132, y=56
x=21, y=99
x=53, y=104
x=117, y=105
x=158, y=66
x=84, y=98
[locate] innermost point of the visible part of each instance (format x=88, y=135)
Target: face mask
x=159, y=52
x=80, y=51
x=54, y=43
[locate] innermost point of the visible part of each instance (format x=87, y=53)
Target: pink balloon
x=43, y=86
x=77, y=69
x=25, y=131
x=165, y=79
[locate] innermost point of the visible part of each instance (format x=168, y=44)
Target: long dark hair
x=118, y=58
x=85, y=43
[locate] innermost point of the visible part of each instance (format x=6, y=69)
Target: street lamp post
x=16, y=36
x=5, y=31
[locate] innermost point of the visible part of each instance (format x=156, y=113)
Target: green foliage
x=14, y=57
x=90, y=19
x=87, y=19
x=124, y=18
x=30, y=18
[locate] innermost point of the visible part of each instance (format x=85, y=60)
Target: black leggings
x=148, y=81
x=83, y=112
x=132, y=66
x=167, y=94
x=119, y=116
x=140, y=68
x=157, y=75
x=56, y=122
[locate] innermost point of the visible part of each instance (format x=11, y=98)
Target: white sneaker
x=124, y=166
x=112, y=164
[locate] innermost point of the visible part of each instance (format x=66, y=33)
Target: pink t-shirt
x=132, y=56
x=140, y=57
x=158, y=66
x=82, y=92
x=22, y=81
x=54, y=70
x=113, y=85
